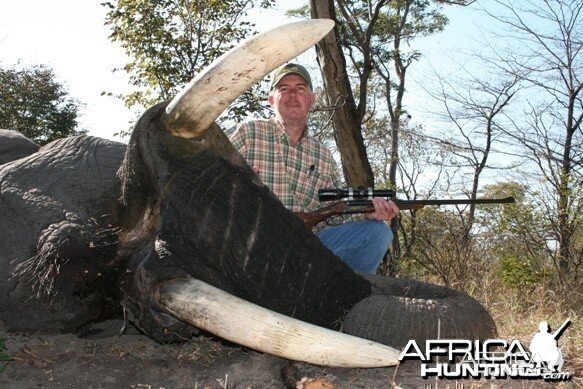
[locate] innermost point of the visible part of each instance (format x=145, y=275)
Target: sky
x=70, y=37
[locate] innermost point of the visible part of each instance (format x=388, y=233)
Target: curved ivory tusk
x=197, y=106
x=239, y=321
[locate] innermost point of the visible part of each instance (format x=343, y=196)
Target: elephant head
x=15, y=146
x=188, y=238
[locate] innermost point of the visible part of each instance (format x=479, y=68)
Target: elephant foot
x=400, y=310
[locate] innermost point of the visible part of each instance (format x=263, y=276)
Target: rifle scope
x=330, y=194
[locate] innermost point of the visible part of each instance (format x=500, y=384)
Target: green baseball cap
x=290, y=68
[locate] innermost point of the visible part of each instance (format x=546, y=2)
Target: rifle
x=559, y=330
x=359, y=200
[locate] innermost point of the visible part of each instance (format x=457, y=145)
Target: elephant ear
x=402, y=310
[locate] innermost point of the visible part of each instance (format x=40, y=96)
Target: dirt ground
x=100, y=358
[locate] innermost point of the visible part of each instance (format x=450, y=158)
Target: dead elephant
x=181, y=234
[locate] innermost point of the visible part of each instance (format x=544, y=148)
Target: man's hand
x=383, y=210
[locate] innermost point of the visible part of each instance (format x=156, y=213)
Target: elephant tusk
x=239, y=321
x=197, y=106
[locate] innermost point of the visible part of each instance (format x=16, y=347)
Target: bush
x=519, y=272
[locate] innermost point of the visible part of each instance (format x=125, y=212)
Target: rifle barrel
x=504, y=200
x=559, y=330
x=422, y=203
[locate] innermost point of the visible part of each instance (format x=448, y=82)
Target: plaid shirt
x=293, y=172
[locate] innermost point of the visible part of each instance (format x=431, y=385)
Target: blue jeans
x=362, y=244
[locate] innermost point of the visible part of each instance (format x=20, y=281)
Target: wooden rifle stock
x=310, y=219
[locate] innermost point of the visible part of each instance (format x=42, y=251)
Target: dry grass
x=518, y=312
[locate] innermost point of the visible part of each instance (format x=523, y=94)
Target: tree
x=518, y=235
x=366, y=42
x=419, y=155
x=365, y=47
x=170, y=41
x=441, y=247
x=34, y=103
x=547, y=53
x=358, y=49
x=403, y=21
x=473, y=107
x=347, y=118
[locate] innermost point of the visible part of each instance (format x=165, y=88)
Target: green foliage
x=302, y=12
x=35, y=104
x=410, y=19
x=365, y=33
x=519, y=272
x=517, y=230
x=4, y=358
x=517, y=236
x=436, y=241
x=514, y=218
x=398, y=23
x=170, y=41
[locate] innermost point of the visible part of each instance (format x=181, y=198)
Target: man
x=294, y=166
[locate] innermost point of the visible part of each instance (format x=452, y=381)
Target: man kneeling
x=294, y=166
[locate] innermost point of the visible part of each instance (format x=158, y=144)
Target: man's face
x=292, y=99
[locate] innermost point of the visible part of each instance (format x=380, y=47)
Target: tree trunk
x=347, y=131
x=565, y=229
x=395, y=112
